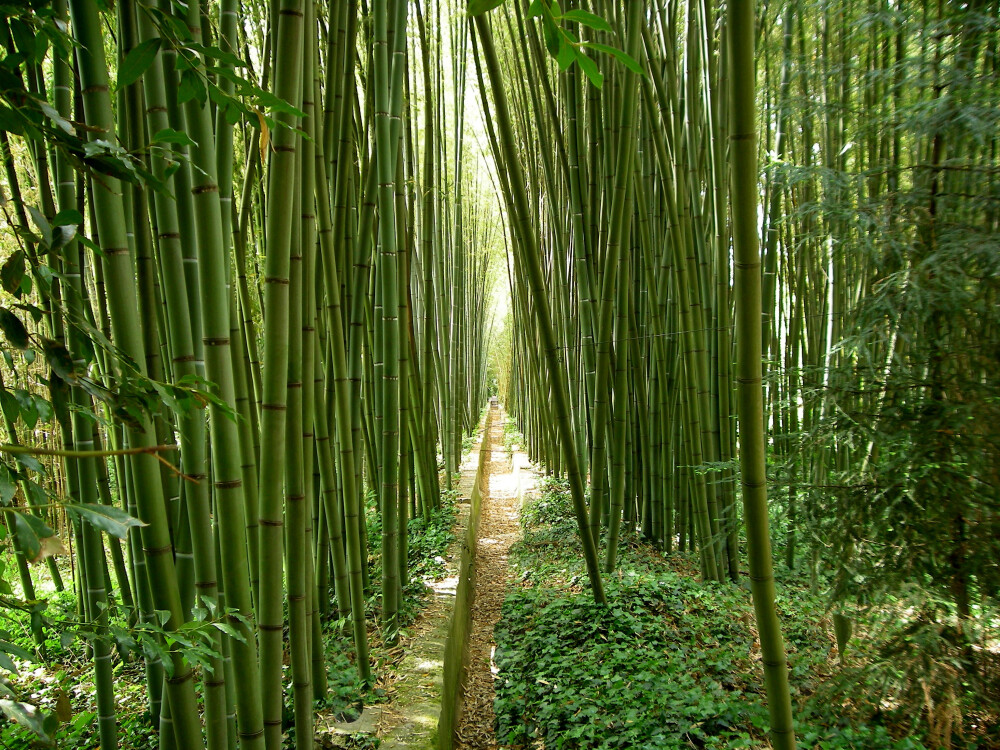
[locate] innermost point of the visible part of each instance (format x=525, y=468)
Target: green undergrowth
x=670, y=663
x=61, y=689
x=427, y=541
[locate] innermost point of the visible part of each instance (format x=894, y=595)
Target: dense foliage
x=672, y=663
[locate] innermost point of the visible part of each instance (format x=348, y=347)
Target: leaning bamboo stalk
x=528, y=256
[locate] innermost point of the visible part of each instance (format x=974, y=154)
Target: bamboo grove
x=623, y=262
x=258, y=272
x=251, y=303
x=877, y=225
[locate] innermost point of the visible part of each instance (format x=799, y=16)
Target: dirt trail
x=499, y=529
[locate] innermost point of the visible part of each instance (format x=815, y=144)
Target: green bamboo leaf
x=43, y=407
x=26, y=405
x=191, y=86
x=589, y=67
x=552, y=36
x=68, y=217
x=31, y=530
x=107, y=518
x=536, y=9
x=10, y=121
x=137, y=61
x=11, y=409
x=27, y=460
x=587, y=19
x=32, y=310
x=218, y=54
x=476, y=7
x=15, y=650
x=229, y=630
x=62, y=236
x=233, y=113
x=13, y=329
x=6, y=662
x=89, y=243
x=42, y=223
x=12, y=272
x=7, y=486
x=627, y=60
x=59, y=359
x=61, y=122
x=169, y=135
x=24, y=38
x=272, y=102
x=29, y=717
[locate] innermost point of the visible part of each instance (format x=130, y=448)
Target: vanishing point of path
x=505, y=482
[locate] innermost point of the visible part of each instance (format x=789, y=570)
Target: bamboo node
x=189, y=675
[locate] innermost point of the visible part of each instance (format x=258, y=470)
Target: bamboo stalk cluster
x=628, y=191
x=617, y=198
x=326, y=322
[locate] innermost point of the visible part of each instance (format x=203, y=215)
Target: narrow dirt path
x=499, y=529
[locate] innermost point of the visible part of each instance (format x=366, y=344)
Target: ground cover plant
x=673, y=663
x=59, y=686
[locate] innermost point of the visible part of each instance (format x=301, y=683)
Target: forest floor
x=671, y=663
